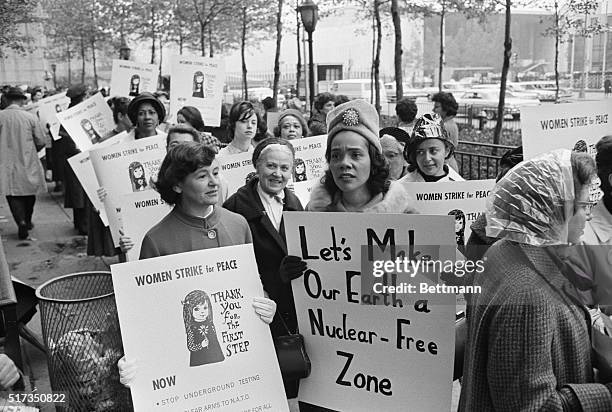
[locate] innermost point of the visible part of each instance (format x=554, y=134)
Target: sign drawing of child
x=200, y=330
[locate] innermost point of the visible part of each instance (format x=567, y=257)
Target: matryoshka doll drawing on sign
x=199, y=84
x=201, y=334
x=137, y=177
x=134, y=85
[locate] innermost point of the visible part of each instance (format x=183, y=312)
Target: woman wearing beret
x=428, y=151
x=146, y=113
x=262, y=202
x=291, y=125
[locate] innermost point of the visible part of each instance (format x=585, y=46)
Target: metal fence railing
x=479, y=160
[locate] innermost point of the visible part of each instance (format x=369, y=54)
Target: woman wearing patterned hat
x=357, y=179
x=291, y=125
x=428, y=151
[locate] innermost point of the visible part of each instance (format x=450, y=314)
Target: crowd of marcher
x=548, y=272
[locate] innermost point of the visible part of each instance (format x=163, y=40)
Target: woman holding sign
x=529, y=336
x=428, y=151
x=189, y=179
x=262, y=202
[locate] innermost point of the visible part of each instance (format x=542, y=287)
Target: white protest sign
x=126, y=168
x=235, y=168
x=465, y=200
x=89, y=122
x=272, y=120
x=197, y=82
x=309, y=165
x=48, y=109
x=140, y=211
x=189, y=321
x=85, y=173
x=130, y=78
x=397, y=355
x=568, y=125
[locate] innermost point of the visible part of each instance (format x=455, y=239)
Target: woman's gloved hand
x=265, y=308
x=291, y=267
x=127, y=371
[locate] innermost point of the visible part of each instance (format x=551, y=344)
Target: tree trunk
x=298, y=73
x=69, y=60
x=371, y=100
x=82, y=60
x=279, y=37
x=557, y=34
x=442, y=36
x=160, y=83
x=93, y=60
x=153, y=35
x=202, y=39
x=377, y=56
x=504, y=75
x=397, y=58
x=210, y=41
x=245, y=86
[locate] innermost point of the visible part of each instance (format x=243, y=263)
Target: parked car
x=546, y=90
x=359, y=89
x=484, y=103
x=260, y=93
x=515, y=88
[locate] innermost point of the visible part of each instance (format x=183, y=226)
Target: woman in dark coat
x=74, y=195
x=261, y=201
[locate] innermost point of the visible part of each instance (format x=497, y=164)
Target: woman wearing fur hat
x=393, y=141
x=428, y=151
x=291, y=125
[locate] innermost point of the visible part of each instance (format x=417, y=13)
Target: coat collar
x=601, y=222
x=395, y=200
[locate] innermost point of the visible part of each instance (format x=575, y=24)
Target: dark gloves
x=291, y=267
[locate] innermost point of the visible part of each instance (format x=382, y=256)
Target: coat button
x=212, y=234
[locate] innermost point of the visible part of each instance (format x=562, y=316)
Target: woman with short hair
x=323, y=104
x=191, y=116
x=291, y=125
x=244, y=125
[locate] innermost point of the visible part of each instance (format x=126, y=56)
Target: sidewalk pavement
x=53, y=249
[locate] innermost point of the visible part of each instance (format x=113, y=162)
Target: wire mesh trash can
x=81, y=331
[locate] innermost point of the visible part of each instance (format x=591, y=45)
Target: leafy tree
x=12, y=14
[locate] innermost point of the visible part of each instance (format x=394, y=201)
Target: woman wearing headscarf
x=428, y=151
x=291, y=125
x=262, y=202
x=529, y=337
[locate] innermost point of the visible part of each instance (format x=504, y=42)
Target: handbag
x=291, y=353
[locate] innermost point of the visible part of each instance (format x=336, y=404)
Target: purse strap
x=280, y=316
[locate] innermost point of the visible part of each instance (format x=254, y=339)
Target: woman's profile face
x=200, y=312
x=349, y=161
x=430, y=156
x=177, y=138
x=180, y=119
x=582, y=214
x=291, y=128
x=201, y=187
x=458, y=224
x=328, y=107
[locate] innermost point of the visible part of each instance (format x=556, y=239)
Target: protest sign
x=48, y=109
x=197, y=82
x=130, y=78
x=140, y=211
x=309, y=165
x=272, y=120
x=126, y=167
x=89, y=122
x=235, y=168
x=395, y=355
x=569, y=125
x=189, y=322
x=85, y=173
x=465, y=200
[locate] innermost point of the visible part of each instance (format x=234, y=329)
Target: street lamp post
x=309, y=12
x=124, y=51
x=53, y=69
